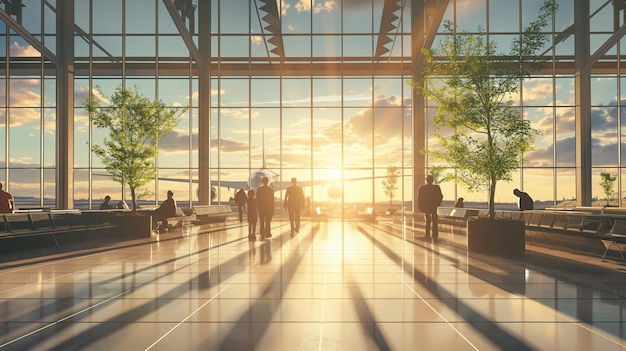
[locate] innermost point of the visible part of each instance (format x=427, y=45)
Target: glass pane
x=144, y=9
x=357, y=137
x=327, y=138
x=565, y=137
x=603, y=137
x=296, y=129
x=234, y=138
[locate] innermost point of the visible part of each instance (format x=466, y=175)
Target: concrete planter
x=135, y=227
x=496, y=236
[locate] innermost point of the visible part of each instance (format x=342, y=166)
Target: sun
x=335, y=174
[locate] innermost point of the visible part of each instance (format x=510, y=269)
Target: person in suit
x=429, y=197
x=524, y=202
x=240, y=200
x=265, y=203
x=106, y=204
x=294, y=203
x=252, y=214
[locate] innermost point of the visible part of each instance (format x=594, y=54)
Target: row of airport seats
x=575, y=221
x=606, y=225
x=48, y=228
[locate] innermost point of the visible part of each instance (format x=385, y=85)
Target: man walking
x=429, y=197
x=294, y=202
x=265, y=203
x=240, y=199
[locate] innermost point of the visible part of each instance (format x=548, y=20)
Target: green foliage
x=607, y=184
x=135, y=126
x=390, y=183
x=481, y=135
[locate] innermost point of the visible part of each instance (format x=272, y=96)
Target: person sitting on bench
x=166, y=210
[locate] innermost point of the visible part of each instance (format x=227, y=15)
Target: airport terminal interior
x=320, y=91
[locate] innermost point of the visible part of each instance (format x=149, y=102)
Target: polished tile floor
x=333, y=286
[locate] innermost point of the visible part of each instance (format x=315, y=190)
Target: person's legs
x=268, y=230
x=427, y=215
x=262, y=223
x=240, y=214
x=297, y=219
x=435, y=222
x=291, y=219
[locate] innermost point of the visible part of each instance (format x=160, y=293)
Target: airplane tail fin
x=264, y=166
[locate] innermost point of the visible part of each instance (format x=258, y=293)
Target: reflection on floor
x=333, y=286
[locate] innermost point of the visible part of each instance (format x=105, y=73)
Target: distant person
x=460, y=203
x=265, y=203
x=294, y=203
x=122, y=205
x=252, y=214
x=429, y=197
x=525, y=202
x=106, y=204
x=7, y=205
x=166, y=210
x=240, y=200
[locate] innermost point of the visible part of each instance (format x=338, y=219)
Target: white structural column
x=65, y=105
x=204, y=101
x=419, y=106
x=583, y=103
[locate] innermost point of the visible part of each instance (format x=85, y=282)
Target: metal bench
x=211, y=213
x=48, y=226
x=615, y=237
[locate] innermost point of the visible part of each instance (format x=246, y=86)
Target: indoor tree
x=607, y=184
x=135, y=125
x=481, y=135
x=390, y=184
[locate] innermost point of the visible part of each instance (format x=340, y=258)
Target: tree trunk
x=492, y=197
x=134, y=200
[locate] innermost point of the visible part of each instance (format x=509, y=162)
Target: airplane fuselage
x=256, y=178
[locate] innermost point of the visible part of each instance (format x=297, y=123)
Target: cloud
x=17, y=50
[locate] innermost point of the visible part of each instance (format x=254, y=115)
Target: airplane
x=256, y=180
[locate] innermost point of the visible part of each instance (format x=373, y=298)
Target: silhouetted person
x=252, y=214
x=460, y=203
x=265, y=203
x=6, y=201
x=122, y=205
x=429, y=197
x=106, y=204
x=240, y=200
x=166, y=210
x=525, y=202
x=294, y=203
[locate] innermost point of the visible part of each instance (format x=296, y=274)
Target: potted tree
x=135, y=125
x=390, y=185
x=607, y=184
x=481, y=135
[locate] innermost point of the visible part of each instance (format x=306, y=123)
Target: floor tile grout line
x=444, y=319
x=192, y=313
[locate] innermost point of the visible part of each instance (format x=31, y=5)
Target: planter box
x=135, y=227
x=500, y=237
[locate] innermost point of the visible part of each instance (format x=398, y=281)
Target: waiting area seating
x=208, y=214
x=369, y=215
x=584, y=228
x=44, y=228
x=615, y=237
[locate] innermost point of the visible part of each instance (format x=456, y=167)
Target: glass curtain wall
x=303, y=100
x=547, y=100
x=306, y=101
x=308, y=89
